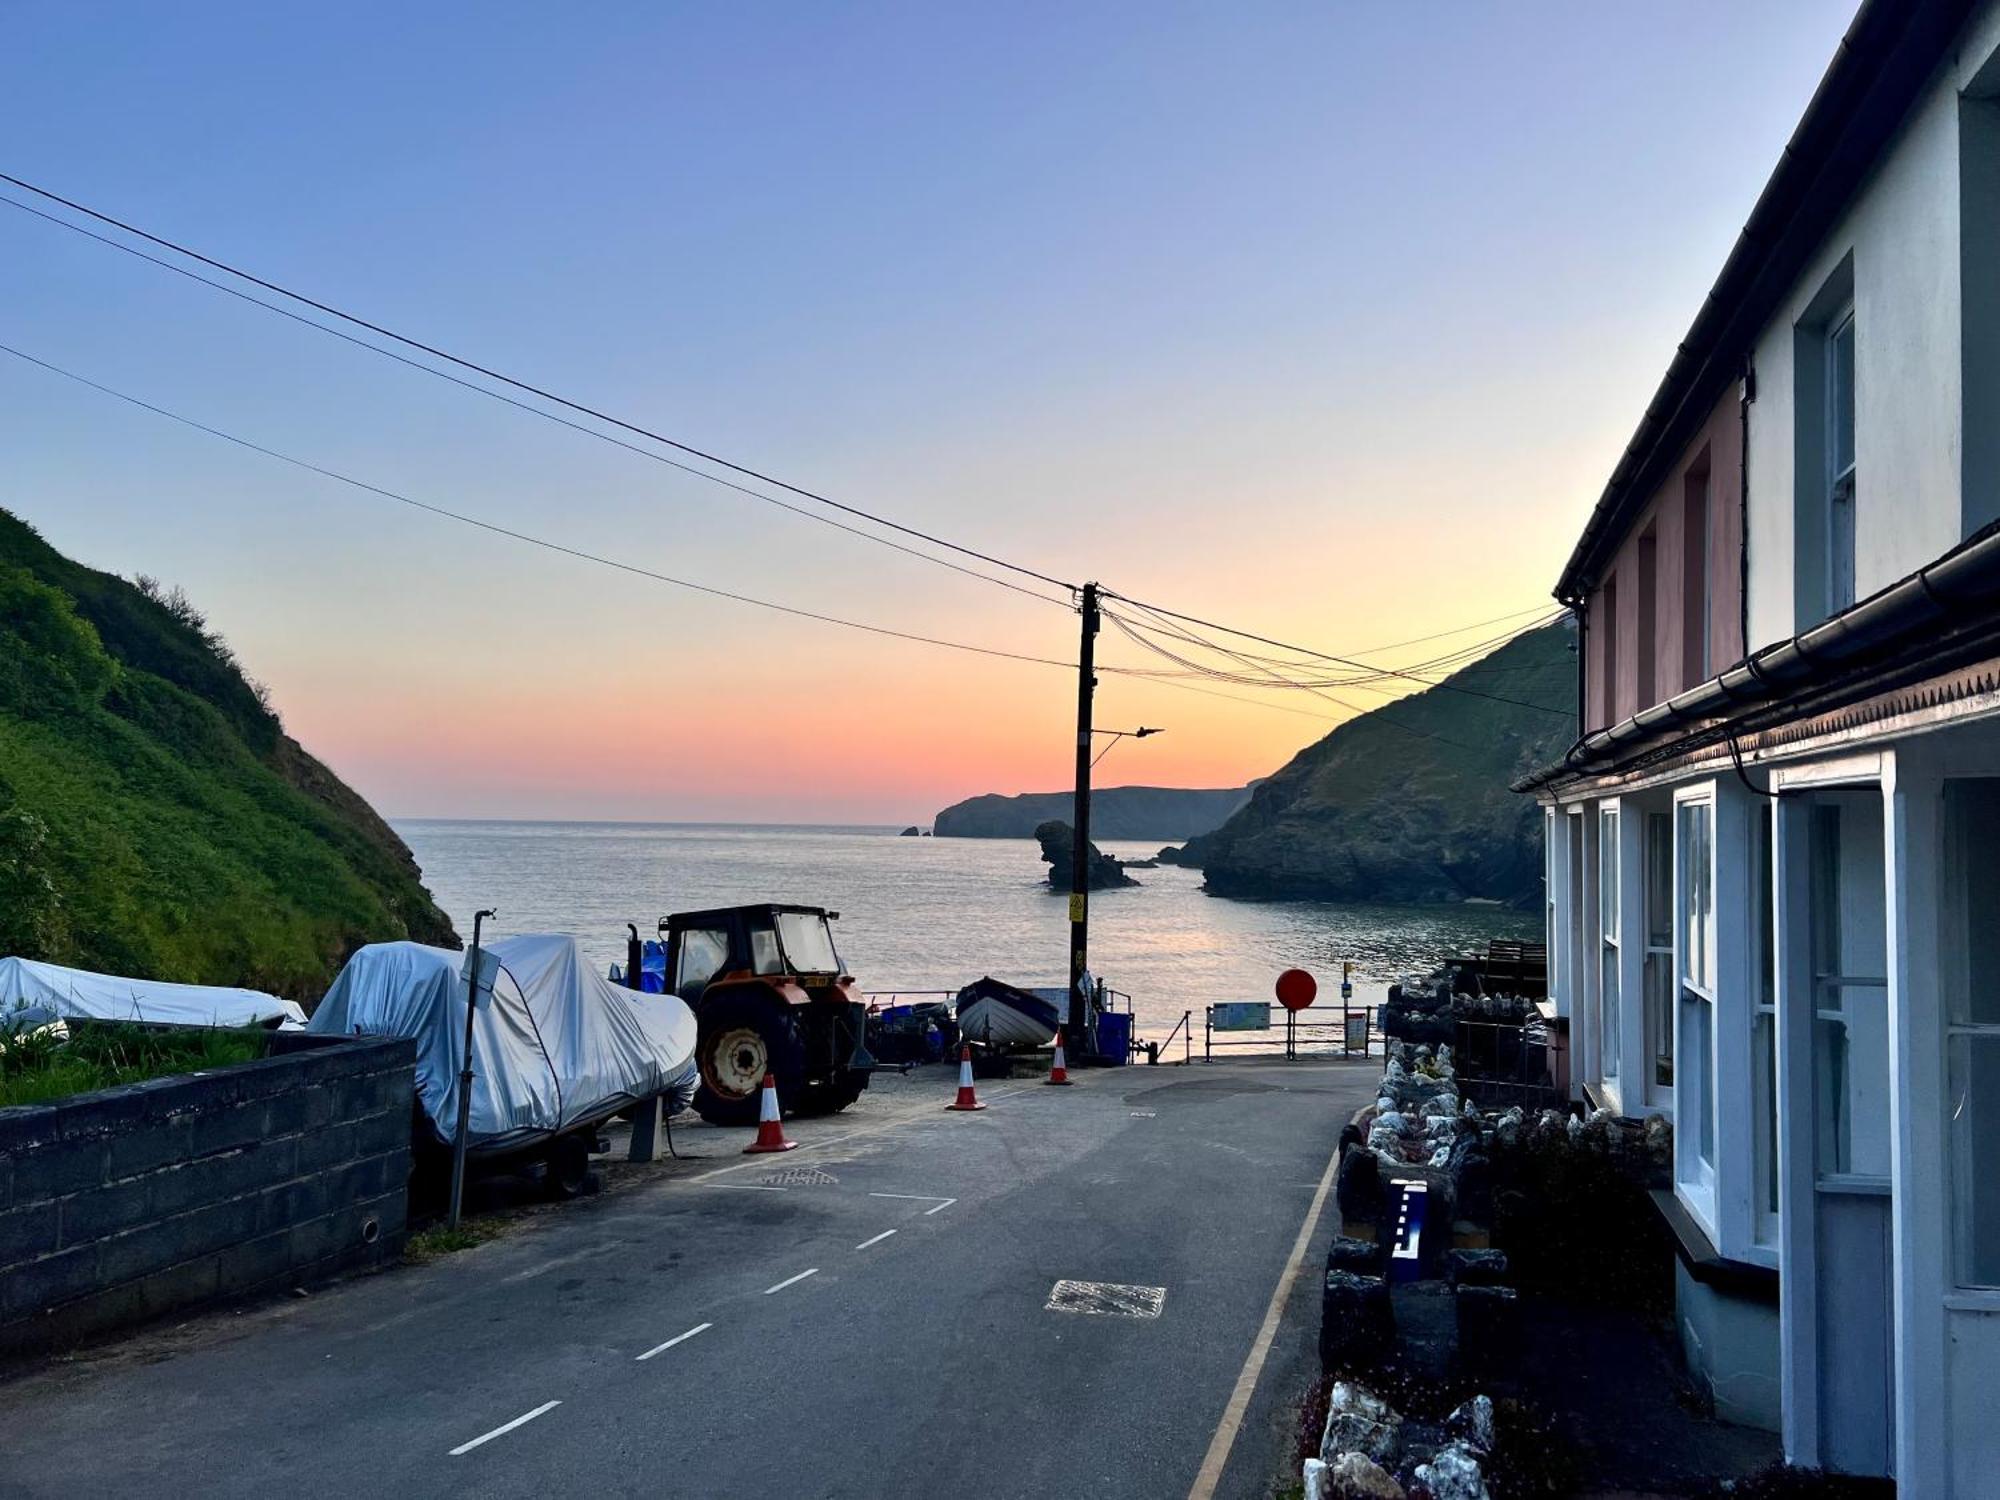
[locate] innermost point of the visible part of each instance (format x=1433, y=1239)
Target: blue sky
x=1328, y=320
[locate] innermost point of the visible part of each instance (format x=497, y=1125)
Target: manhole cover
x=1107, y=1299
x=800, y=1177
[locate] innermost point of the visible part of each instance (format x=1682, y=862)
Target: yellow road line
x=1210, y=1474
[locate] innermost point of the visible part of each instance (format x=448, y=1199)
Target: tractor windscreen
x=808, y=943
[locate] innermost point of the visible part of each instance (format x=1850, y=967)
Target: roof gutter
x=1964, y=582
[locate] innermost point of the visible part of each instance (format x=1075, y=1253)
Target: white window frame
x=1695, y=1093
x=1767, y=1121
x=1658, y=1097
x=1610, y=887
x=1840, y=492
x=1960, y=1032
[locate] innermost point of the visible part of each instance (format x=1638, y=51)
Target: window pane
x=703, y=952
x=764, y=955
x=1851, y=1080
x=1840, y=371
x=1607, y=1009
x=1972, y=901
x=1659, y=881
x=1695, y=1091
x=1975, y=1131
x=1764, y=1080
x=1697, y=894
x=1763, y=901
x=808, y=943
x=1607, y=872
x=1660, y=1018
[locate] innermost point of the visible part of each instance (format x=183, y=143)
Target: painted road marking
x=1210, y=1474
x=1145, y=1114
x=791, y=1281
x=505, y=1427
x=1107, y=1299
x=835, y=1140
x=876, y=1241
x=795, y=1177
x=942, y=1203
x=740, y=1187
x=679, y=1338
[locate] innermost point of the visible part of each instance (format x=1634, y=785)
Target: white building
x=1774, y=856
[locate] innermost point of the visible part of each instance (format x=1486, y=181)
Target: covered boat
x=556, y=1047
x=994, y=1013
x=78, y=994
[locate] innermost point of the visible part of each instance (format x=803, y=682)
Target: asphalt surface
x=865, y=1316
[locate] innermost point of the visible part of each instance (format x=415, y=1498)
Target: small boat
x=996, y=1014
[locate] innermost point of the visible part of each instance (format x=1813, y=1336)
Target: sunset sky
x=1325, y=320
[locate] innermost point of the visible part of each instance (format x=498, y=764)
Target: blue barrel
x=1114, y=1036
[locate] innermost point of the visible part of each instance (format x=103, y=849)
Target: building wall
x=131, y=1202
x=1910, y=271
x=1730, y=1343
x=1716, y=451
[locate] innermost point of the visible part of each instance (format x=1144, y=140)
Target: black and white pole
x=465, y=1072
x=1080, y=1037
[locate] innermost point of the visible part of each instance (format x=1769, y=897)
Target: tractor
x=770, y=998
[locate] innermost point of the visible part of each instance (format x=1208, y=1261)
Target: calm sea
x=933, y=914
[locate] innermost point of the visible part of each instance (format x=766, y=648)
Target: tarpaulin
x=554, y=1044
x=79, y=994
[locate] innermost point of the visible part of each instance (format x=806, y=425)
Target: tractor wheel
x=567, y=1165
x=745, y=1034
x=831, y=1098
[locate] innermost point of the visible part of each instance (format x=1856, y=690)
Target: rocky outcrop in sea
x=1058, y=841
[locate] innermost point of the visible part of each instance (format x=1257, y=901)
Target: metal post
x=465, y=1073
x=1207, y=1041
x=1079, y=885
x=1187, y=1041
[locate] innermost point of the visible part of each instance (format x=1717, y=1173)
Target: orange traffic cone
x=966, y=1098
x=1058, y=1066
x=770, y=1129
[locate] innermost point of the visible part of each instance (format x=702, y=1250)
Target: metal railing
x=1347, y=1029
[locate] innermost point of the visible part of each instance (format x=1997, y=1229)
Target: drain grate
x=1107, y=1299
x=800, y=1177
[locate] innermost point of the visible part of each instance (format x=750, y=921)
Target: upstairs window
x=1647, y=642
x=1840, y=499
x=1697, y=591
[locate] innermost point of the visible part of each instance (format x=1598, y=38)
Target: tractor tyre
x=832, y=1097
x=743, y=1035
x=566, y=1165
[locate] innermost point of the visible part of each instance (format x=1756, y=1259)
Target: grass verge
x=37, y=1068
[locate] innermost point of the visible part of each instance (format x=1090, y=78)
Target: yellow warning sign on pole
x=1076, y=906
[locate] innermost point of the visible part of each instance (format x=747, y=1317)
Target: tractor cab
x=770, y=997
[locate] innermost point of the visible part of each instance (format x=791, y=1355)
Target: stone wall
x=124, y=1204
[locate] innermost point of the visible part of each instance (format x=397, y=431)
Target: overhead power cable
x=1381, y=714
x=523, y=536
x=1158, y=611
x=490, y=373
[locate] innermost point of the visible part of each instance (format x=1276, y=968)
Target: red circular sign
x=1296, y=989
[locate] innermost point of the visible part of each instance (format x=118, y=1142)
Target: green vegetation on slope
x=155, y=819
x=36, y=1067
x=1410, y=802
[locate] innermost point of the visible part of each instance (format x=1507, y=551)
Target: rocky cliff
x=1058, y=841
x=1410, y=803
x=155, y=819
x=1117, y=812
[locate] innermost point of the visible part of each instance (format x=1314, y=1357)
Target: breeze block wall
x=121, y=1205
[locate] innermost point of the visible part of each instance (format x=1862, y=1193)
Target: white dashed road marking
x=876, y=1241
x=505, y=1427
x=679, y=1338
x=942, y=1203
x=791, y=1281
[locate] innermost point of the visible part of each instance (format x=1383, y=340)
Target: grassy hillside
x=154, y=817
x=1410, y=803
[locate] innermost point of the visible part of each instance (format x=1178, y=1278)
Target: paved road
x=866, y=1316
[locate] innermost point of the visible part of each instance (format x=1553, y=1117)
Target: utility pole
x=465, y=1072
x=1079, y=1038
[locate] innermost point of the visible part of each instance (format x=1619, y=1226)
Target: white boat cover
x=556, y=1046
x=81, y=995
